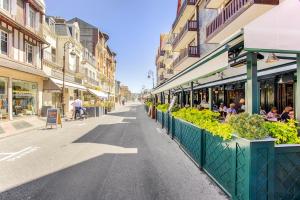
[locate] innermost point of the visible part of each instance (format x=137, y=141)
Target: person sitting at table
x=285, y=114
x=292, y=114
x=230, y=111
x=262, y=112
x=223, y=110
x=273, y=115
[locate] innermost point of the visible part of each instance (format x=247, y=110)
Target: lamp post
x=68, y=45
x=151, y=75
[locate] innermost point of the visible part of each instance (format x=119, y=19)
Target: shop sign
x=53, y=118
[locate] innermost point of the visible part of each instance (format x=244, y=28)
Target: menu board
x=53, y=117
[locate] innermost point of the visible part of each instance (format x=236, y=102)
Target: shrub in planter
x=205, y=119
x=163, y=107
x=249, y=126
x=285, y=133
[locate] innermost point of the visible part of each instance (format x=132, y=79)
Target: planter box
x=91, y=111
x=244, y=169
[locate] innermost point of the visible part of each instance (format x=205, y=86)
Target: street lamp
x=68, y=45
x=151, y=75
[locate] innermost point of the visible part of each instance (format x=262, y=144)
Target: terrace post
x=182, y=98
x=192, y=94
x=252, y=90
x=298, y=88
x=169, y=97
x=210, y=99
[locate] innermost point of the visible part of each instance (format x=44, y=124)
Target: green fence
x=245, y=170
x=159, y=117
x=287, y=172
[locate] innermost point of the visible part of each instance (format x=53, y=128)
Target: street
x=123, y=155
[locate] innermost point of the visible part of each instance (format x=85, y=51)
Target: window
x=31, y=18
x=4, y=4
x=29, y=53
x=4, y=43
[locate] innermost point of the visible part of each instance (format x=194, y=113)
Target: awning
x=99, y=94
x=210, y=64
x=277, y=30
x=59, y=83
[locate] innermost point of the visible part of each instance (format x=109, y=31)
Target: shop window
x=5, y=4
x=24, y=98
x=4, y=44
x=29, y=53
x=3, y=98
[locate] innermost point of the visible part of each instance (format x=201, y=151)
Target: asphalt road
x=122, y=156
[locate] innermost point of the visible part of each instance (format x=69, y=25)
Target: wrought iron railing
x=191, y=51
x=181, y=11
x=191, y=25
x=226, y=14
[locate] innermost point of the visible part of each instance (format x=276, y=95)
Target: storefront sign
x=53, y=118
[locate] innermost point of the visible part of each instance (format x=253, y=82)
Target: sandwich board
x=53, y=118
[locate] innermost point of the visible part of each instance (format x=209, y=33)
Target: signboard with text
x=53, y=117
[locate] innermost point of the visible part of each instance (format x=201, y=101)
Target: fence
x=244, y=169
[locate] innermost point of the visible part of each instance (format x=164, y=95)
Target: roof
x=82, y=23
x=62, y=30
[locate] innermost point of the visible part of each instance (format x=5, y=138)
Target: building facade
x=229, y=68
x=21, y=74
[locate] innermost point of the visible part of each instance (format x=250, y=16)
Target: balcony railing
x=233, y=9
x=191, y=25
x=49, y=57
x=92, y=81
x=191, y=51
x=183, y=7
x=170, y=71
x=162, y=65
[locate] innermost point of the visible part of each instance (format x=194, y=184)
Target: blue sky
x=133, y=26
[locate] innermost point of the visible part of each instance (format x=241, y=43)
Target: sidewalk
x=9, y=128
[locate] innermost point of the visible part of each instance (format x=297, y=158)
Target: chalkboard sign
x=53, y=117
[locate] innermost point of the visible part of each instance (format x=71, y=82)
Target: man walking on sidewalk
x=77, y=106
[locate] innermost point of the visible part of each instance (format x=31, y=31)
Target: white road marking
x=17, y=155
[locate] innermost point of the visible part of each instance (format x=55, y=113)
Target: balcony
x=188, y=33
x=160, y=55
x=168, y=58
x=235, y=16
x=186, y=11
x=162, y=66
x=161, y=77
x=186, y=58
x=50, y=61
x=92, y=81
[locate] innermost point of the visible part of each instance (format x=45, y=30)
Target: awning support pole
x=169, y=97
x=182, y=98
x=298, y=89
x=210, y=99
x=252, y=84
x=192, y=94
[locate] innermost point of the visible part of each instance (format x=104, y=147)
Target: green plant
x=148, y=103
x=285, y=133
x=205, y=119
x=163, y=107
x=249, y=126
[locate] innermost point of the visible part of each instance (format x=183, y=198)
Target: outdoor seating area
x=239, y=156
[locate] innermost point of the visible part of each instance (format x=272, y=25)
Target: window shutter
x=14, y=7
x=37, y=21
x=27, y=9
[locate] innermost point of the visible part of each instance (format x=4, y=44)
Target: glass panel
x=3, y=42
x=24, y=98
x=3, y=98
